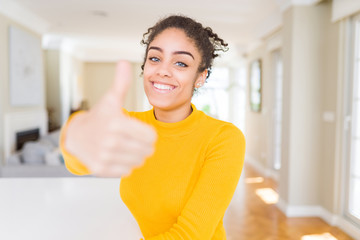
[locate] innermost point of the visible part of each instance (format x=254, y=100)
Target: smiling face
x=171, y=71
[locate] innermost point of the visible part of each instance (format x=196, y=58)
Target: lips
x=163, y=87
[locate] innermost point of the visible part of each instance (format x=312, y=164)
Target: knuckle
x=131, y=160
x=112, y=125
x=109, y=144
x=115, y=124
x=145, y=149
x=104, y=157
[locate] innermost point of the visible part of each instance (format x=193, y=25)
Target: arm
x=214, y=190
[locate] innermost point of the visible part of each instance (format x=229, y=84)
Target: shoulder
x=222, y=128
x=226, y=144
x=222, y=136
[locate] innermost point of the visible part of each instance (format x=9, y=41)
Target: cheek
x=188, y=86
x=147, y=72
x=192, y=79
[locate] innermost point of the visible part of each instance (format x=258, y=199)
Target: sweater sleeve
x=73, y=165
x=214, y=190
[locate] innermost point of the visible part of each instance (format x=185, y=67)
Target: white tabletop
x=64, y=209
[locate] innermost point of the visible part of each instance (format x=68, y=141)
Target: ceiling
x=104, y=29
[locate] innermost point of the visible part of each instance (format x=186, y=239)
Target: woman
x=191, y=170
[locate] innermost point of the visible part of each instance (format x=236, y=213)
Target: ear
x=201, y=79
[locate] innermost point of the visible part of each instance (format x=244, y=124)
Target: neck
x=171, y=116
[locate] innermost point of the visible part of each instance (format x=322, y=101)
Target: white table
x=64, y=209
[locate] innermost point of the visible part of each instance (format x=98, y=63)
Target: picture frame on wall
x=26, y=73
x=255, y=86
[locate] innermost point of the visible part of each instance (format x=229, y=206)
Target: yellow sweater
x=183, y=190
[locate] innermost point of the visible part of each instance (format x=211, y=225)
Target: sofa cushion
x=34, y=152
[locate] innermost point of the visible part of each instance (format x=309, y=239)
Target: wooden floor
x=250, y=218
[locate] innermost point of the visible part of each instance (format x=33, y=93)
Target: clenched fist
x=107, y=142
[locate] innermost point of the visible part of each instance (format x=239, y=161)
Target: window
x=277, y=117
x=353, y=128
x=224, y=95
x=213, y=98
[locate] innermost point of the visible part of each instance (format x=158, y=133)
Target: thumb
x=122, y=81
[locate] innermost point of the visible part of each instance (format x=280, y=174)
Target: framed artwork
x=255, y=86
x=26, y=68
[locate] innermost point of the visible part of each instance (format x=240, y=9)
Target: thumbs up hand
x=106, y=141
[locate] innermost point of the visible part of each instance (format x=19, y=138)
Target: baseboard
x=308, y=210
x=256, y=165
x=282, y=206
x=318, y=211
x=348, y=227
x=272, y=174
x=261, y=168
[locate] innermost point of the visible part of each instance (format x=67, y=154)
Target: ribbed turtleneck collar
x=180, y=128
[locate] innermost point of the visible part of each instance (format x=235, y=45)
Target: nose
x=164, y=70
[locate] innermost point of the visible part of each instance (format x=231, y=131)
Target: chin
x=160, y=104
x=164, y=102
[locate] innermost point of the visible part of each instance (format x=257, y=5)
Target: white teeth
x=163, y=87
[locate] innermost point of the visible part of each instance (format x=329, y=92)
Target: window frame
x=352, y=81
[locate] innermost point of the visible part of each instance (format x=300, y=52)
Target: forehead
x=174, y=38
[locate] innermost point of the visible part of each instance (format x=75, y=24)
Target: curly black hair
x=207, y=42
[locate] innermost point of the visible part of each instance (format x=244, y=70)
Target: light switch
x=329, y=116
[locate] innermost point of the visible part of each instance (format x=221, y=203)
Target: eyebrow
x=176, y=52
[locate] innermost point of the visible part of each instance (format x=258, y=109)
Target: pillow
x=14, y=159
x=34, y=152
x=47, y=143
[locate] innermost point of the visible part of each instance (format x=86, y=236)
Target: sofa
x=41, y=158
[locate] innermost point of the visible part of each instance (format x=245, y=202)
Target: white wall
x=71, y=80
x=257, y=131
x=309, y=46
x=5, y=107
x=98, y=78
x=310, y=53
x=259, y=125
x=305, y=107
